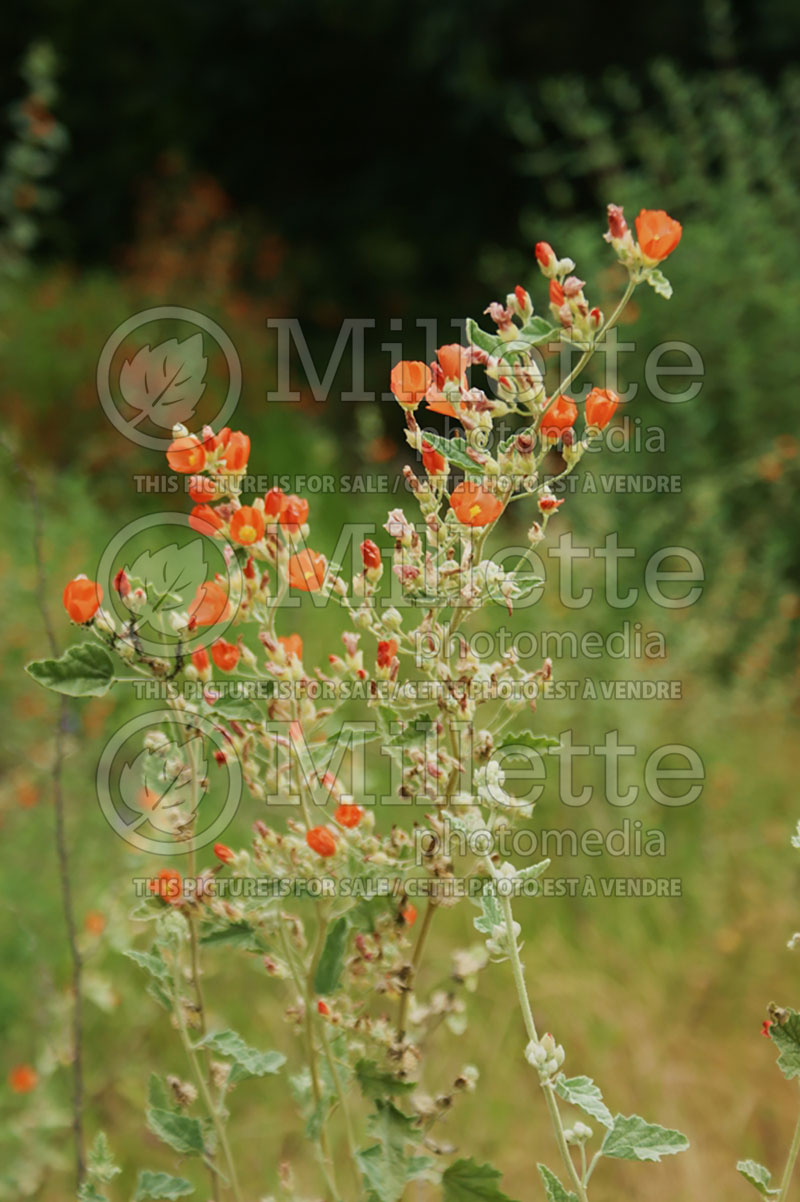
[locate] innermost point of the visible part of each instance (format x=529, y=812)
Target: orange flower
x=453, y=360
x=544, y=253
x=387, y=650
x=370, y=554
x=247, y=526
x=410, y=380
x=212, y=441
x=210, y=604
x=433, y=462
x=559, y=417
x=474, y=505
x=223, y=853
x=409, y=914
x=274, y=502
x=322, y=1008
x=186, y=454
x=82, y=599
x=321, y=840
x=200, y=659
x=556, y=293
x=348, y=815
x=168, y=885
x=205, y=520
x=202, y=489
x=307, y=570
x=237, y=452
x=94, y=922
x=601, y=404
x=23, y=1078
x=437, y=403
x=225, y=655
x=658, y=234
x=292, y=645
x=294, y=512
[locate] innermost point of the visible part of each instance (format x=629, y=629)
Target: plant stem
x=219, y=1126
x=62, y=852
x=530, y=1027
x=790, y=1163
x=416, y=958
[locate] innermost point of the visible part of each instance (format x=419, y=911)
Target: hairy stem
x=790, y=1163
x=213, y=1112
x=530, y=1027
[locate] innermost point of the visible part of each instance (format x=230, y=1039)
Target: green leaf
x=631, y=1138
x=553, y=1188
x=582, y=1091
x=152, y=962
x=385, y=1166
x=491, y=911
x=157, y=1096
x=375, y=1083
x=785, y=1034
x=331, y=962
x=490, y=343
x=538, y=329
x=85, y=670
x=235, y=934
x=88, y=1193
x=237, y=709
x=757, y=1175
x=183, y=1134
x=352, y=736
x=248, y=1062
x=468, y=1181
x=100, y=1163
x=659, y=283
x=454, y=450
x=526, y=738
x=161, y=1185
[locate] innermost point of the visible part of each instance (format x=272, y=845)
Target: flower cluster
x=349, y=958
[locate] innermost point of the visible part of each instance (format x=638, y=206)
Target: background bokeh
x=325, y=160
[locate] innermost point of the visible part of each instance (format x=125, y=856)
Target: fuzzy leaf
x=659, y=283
x=454, y=450
x=236, y=934
x=248, y=1062
x=385, y=1166
x=152, y=962
x=183, y=1134
x=375, y=1083
x=491, y=912
x=237, y=709
x=757, y=1175
x=161, y=1185
x=553, y=1188
x=85, y=670
x=490, y=343
x=331, y=962
x=786, y=1036
x=100, y=1163
x=538, y=329
x=88, y=1193
x=526, y=738
x=582, y=1091
x=631, y=1138
x=467, y=1181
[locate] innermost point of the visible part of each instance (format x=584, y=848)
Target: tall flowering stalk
x=330, y=903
